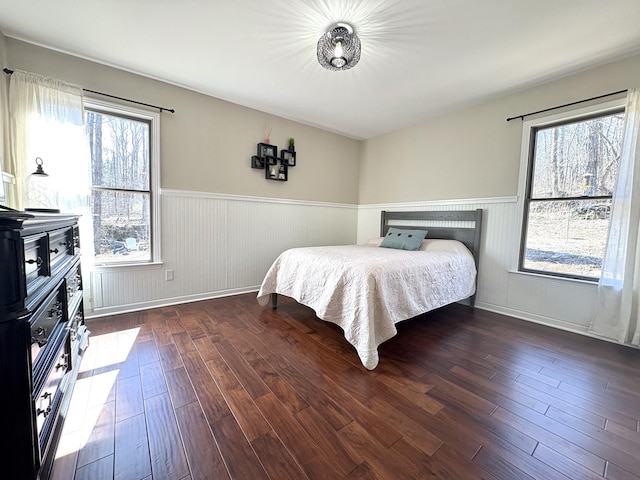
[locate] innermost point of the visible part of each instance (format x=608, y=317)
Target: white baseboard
x=546, y=321
x=532, y=317
x=167, y=302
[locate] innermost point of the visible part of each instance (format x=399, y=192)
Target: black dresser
x=42, y=336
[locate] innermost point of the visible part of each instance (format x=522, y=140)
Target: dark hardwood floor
x=227, y=389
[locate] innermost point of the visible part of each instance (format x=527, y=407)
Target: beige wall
x=207, y=144
x=474, y=152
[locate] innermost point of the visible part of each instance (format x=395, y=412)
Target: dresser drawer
x=75, y=232
x=74, y=325
x=73, y=282
x=61, y=247
x=47, y=399
x=36, y=261
x=44, y=323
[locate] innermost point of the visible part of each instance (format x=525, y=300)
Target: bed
x=367, y=289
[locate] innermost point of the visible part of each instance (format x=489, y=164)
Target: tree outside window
x=573, y=166
x=122, y=197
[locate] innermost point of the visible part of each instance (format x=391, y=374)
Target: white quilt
x=367, y=289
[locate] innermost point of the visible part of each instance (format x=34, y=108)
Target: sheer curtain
x=617, y=309
x=46, y=121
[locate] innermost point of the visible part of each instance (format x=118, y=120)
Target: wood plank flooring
x=227, y=389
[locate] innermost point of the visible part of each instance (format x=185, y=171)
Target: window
x=124, y=183
x=571, y=170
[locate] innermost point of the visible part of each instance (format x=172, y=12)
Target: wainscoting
x=565, y=304
x=219, y=245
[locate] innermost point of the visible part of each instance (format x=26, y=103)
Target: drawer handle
x=41, y=334
x=64, y=361
x=56, y=310
x=46, y=411
x=54, y=251
x=38, y=261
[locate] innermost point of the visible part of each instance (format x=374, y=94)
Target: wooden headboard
x=435, y=222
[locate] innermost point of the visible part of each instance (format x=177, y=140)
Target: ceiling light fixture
x=339, y=48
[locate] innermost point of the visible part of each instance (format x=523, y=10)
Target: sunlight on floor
x=98, y=373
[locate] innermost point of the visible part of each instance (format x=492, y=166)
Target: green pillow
x=403, y=239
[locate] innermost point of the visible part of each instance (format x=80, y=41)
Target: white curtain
x=46, y=121
x=617, y=309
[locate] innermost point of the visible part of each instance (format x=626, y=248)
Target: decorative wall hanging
x=275, y=168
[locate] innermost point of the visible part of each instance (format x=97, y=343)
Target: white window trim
x=154, y=169
x=527, y=129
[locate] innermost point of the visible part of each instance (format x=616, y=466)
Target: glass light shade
x=40, y=193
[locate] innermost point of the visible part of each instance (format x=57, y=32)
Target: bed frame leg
x=274, y=300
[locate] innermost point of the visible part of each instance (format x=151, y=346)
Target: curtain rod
x=162, y=109
x=521, y=117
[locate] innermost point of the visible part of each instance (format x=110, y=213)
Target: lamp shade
x=339, y=48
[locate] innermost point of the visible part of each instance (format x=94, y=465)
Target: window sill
x=593, y=283
x=127, y=266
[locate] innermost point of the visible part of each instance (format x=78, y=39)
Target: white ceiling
x=420, y=58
